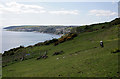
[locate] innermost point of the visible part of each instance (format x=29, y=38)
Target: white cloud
x=75, y=12
x=102, y=13
x=14, y=7
x=21, y=8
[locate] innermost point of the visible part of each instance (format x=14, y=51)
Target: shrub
x=56, y=43
x=38, y=44
x=46, y=43
x=65, y=38
x=68, y=38
x=116, y=50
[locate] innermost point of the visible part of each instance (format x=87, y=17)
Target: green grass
x=83, y=57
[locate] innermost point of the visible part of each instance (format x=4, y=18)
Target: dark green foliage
x=116, y=50
x=50, y=41
x=11, y=51
x=46, y=42
x=58, y=53
x=95, y=27
x=116, y=21
x=53, y=40
x=39, y=44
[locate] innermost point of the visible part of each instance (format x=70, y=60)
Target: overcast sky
x=59, y=13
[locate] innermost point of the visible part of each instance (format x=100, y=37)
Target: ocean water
x=11, y=39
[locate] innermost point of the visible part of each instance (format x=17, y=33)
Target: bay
x=12, y=39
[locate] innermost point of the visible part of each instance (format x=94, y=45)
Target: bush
x=52, y=41
x=116, y=21
x=46, y=42
x=39, y=44
x=65, y=38
x=115, y=50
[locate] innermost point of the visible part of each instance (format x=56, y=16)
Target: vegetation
x=95, y=27
x=19, y=53
x=77, y=54
x=64, y=38
x=116, y=50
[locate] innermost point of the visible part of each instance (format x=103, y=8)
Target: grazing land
x=77, y=54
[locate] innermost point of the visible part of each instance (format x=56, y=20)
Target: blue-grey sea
x=12, y=39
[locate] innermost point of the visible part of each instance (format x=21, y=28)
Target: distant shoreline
x=34, y=32
x=58, y=30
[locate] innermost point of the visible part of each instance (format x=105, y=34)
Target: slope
x=82, y=57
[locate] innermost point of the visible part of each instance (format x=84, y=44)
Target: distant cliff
x=42, y=29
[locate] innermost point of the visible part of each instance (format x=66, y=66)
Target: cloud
x=21, y=8
x=102, y=13
x=75, y=12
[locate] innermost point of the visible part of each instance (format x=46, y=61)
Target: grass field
x=82, y=57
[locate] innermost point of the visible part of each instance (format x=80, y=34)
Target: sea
x=12, y=39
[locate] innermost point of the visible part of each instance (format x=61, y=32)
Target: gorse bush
x=65, y=38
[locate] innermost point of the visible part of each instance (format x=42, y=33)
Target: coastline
x=51, y=36
x=34, y=32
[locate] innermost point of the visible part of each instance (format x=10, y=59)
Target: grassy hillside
x=82, y=57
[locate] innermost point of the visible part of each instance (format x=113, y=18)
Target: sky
x=13, y=12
